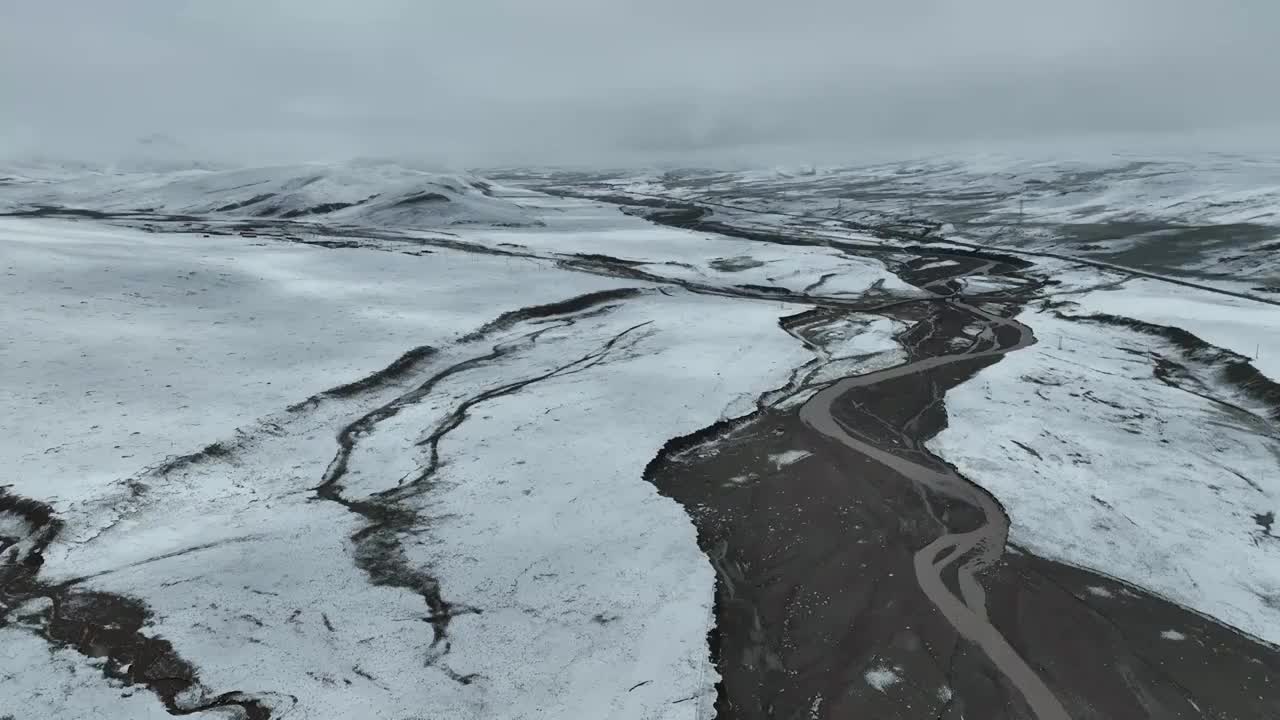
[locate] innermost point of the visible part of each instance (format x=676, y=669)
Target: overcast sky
x=493, y=81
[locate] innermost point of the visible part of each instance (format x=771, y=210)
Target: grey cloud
x=484, y=81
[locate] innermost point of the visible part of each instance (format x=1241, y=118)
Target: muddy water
x=967, y=613
x=869, y=580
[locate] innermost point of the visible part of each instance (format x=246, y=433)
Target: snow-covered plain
x=122, y=347
x=705, y=258
x=1103, y=466
x=1172, y=492
x=1212, y=215
x=571, y=578
x=574, y=589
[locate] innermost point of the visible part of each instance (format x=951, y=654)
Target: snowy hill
x=355, y=194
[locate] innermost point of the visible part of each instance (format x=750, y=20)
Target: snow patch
x=789, y=457
x=122, y=347
x=884, y=677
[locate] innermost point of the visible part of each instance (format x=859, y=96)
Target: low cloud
x=580, y=81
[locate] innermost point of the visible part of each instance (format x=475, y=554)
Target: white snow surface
x=883, y=678
x=62, y=684
x=1215, y=214
x=1102, y=466
x=690, y=255
x=125, y=347
x=1245, y=327
x=789, y=457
